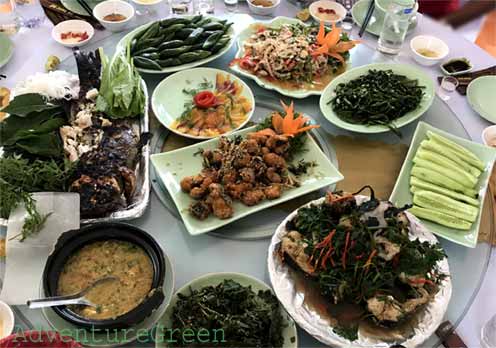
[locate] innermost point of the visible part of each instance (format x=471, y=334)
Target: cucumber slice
x=445, y=205
x=440, y=218
x=462, y=152
x=459, y=176
x=446, y=152
x=418, y=185
x=445, y=162
x=435, y=178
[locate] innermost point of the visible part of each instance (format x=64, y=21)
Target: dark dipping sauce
x=114, y=17
x=456, y=65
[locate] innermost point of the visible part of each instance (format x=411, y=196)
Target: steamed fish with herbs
x=362, y=257
x=214, y=111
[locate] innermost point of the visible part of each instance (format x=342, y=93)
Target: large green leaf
x=24, y=104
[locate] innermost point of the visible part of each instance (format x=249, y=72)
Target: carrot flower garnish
x=330, y=44
x=287, y=125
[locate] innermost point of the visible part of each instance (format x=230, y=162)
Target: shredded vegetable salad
x=295, y=52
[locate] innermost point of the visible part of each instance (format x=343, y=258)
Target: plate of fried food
x=203, y=103
x=222, y=180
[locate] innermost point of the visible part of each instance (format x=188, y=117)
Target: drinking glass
x=448, y=86
x=30, y=13
x=9, y=23
x=231, y=5
x=182, y=7
x=206, y=7
x=488, y=334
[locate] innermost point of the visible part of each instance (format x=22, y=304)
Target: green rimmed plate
x=212, y=279
x=245, y=35
x=73, y=5
x=359, y=11
x=113, y=338
x=128, y=37
x=401, y=193
x=172, y=166
x=168, y=99
x=480, y=95
x=402, y=69
x=6, y=49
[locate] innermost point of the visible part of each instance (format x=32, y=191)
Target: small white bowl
x=74, y=25
x=114, y=6
x=262, y=10
x=431, y=43
x=328, y=5
x=6, y=320
x=489, y=136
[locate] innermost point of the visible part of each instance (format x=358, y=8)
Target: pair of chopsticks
x=366, y=21
x=86, y=7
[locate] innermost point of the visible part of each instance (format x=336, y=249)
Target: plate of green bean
x=178, y=43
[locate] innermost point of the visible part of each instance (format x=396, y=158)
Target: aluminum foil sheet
x=283, y=282
x=142, y=195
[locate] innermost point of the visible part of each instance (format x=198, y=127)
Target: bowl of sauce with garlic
x=114, y=15
x=428, y=50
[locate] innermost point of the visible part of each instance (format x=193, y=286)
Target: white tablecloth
x=34, y=46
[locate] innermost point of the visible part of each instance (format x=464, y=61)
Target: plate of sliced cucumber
x=445, y=178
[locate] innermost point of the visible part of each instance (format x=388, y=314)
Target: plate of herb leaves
x=226, y=310
x=377, y=98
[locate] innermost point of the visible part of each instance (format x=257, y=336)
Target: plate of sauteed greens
x=377, y=97
x=84, y=133
x=291, y=57
x=233, y=309
x=353, y=270
x=203, y=103
x=446, y=178
x=218, y=181
x=178, y=43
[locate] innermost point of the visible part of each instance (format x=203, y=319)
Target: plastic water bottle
x=395, y=26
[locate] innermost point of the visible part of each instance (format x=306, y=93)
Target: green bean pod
x=142, y=62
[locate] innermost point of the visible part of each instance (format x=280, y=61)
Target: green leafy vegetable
x=20, y=177
x=247, y=319
x=377, y=98
x=24, y=104
x=121, y=94
x=36, y=132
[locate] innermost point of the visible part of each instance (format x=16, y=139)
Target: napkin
x=26, y=260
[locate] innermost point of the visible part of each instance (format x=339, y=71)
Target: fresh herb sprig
x=20, y=177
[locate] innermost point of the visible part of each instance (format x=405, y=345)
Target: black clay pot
x=71, y=241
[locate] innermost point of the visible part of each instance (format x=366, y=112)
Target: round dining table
x=473, y=272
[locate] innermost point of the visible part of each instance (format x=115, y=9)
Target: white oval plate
x=317, y=326
x=124, y=41
x=245, y=34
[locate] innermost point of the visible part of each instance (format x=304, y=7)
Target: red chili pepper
x=369, y=260
x=205, y=99
x=346, y=243
x=421, y=281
